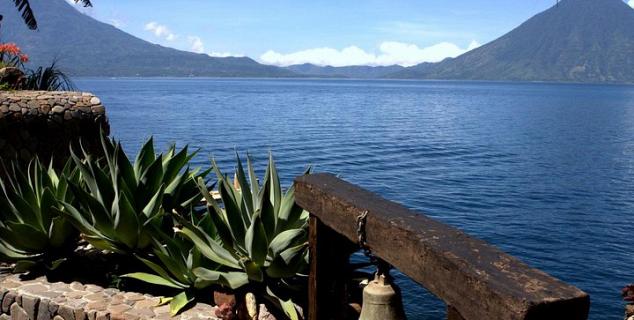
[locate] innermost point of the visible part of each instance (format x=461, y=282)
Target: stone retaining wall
x=45, y=123
x=39, y=299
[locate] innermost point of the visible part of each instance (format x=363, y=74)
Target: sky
x=322, y=32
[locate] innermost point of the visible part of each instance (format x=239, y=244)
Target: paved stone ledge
x=46, y=122
x=39, y=299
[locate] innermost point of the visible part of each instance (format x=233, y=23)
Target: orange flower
x=24, y=58
x=10, y=48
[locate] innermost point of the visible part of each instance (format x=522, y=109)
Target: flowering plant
x=11, y=55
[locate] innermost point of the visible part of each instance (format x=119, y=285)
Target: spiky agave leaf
x=32, y=230
x=123, y=204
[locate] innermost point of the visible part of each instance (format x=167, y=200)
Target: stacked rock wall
x=38, y=299
x=46, y=123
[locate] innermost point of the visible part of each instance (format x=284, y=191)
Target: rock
x=251, y=305
x=99, y=109
x=102, y=316
x=4, y=108
x=95, y=101
x=264, y=313
x=12, y=76
x=80, y=314
x=46, y=310
x=66, y=312
x=17, y=313
x=58, y=109
x=221, y=298
x=94, y=288
x=30, y=305
x=14, y=108
x=7, y=301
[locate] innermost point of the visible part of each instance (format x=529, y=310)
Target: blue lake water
x=543, y=171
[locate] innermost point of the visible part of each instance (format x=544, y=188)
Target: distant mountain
x=576, y=40
x=87, y=47
x=353, y=72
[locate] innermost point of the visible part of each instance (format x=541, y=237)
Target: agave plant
x=32, y=229
x=173, y=262
x=122, y=203
x=258, y=235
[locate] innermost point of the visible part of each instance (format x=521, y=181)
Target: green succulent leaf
x=126, y=222
x=153, y=279
x=286, y=239
x=23, y=266
x=179, y=302
x=211, y=250
x=256, y=241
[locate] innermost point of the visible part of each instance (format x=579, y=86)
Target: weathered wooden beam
x=327, y=284
x=453, y=314
x=480, y=281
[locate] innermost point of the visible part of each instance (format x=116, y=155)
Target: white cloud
x=224, y=54
x=117, y=23
x=390, y=53
x=160, y=31
x=196, y=43
x=631, y=3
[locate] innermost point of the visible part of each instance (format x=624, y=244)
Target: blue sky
x=326, y=32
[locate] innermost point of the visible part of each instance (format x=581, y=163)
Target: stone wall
x=46, y=123
x=39, y=299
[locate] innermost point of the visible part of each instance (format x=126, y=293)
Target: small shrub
x=50, y=78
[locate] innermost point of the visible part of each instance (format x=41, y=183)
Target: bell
x=381, y=301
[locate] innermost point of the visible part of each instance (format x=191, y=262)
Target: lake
x=543, y=171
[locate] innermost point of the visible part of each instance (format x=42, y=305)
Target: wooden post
x=453, y=314
x=327, y=287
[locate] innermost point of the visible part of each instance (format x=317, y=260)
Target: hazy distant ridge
x=352, y=72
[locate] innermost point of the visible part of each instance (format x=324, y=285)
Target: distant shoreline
x=628, y=84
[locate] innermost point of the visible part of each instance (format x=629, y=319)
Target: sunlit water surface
x=543, y=171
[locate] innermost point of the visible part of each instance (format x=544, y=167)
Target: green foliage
x=48, y=79
x=32, y=228
x=258, y=236
x=123, y=204
x=172, y=262
x=255, y=238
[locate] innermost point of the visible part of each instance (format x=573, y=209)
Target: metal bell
x=381, y=301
